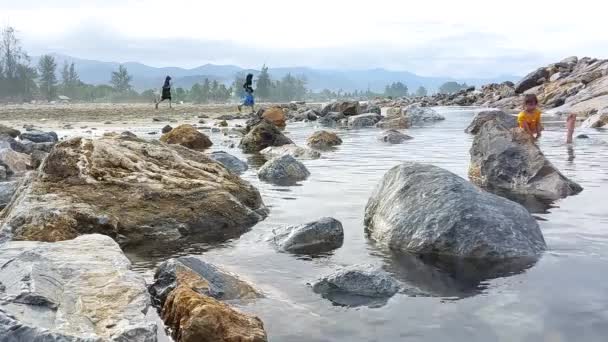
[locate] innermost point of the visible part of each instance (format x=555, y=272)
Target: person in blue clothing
x=166, y=93
x=249, y=100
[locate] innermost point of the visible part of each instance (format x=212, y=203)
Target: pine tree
x=121, y=80
x=264, y=84
x=48, y=80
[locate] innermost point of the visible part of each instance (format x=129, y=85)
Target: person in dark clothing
x=166, y=92
x=249, y=100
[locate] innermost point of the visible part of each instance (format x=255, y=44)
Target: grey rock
x=418, y=115
x=508, y=160
x=8, y=131
x=215, y=130
x=80, y=290
x=293, y=150
x=597, y=120
x=394, y=137
x=159, y=119
x=357, y=285
x=283, y=170
x=168, y=129
x=424, y=209
x=531, y=80
x=7, y=190
x=582, y=136
x=25, y=146
x=16, y=162
x=40, y=137
x=37, y=157
x=222, y=285
x=347, y=108
x=331, y=119
x=262, y=135
x=364, y=120
x=319, y=236
x=507, y=120
x=3, y=173
x=231, y=162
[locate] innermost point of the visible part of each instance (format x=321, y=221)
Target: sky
x=463, y=38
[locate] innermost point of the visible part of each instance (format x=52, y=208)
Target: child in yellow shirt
x=529, y=118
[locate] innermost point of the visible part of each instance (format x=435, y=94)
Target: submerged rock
x=394, y=137
x=363, y=120
x=40, y=137
x=187, y=136
x=357, y=285
x=132, y=190
x=509, y=160
x=424, y=209
x=324, y=140
x=507, y=120
x=292, y=150
x=187, y=290
x=231, y=162
x=261, y=135
x=283, y=170
x=318, y=236
x=77, y=290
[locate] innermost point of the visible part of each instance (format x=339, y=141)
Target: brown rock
x=11, y=132
x=276, y=115
x=323, y=140
x=17, y=162
x=261, y=135
x=188, y=136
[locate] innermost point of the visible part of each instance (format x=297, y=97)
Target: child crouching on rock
x=529, y=118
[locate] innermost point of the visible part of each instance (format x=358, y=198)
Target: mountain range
x=148, y=77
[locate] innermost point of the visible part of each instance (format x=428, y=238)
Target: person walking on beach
x=529, y=118
x=249, y=101
x=166, y=92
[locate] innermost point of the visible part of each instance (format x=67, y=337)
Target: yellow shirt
x=533, y=120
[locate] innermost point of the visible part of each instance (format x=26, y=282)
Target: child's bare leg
x=570, y=123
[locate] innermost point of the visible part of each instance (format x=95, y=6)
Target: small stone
x=283, y=170
x=167, y=129
x=323, y=235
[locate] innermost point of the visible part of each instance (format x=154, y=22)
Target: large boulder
x=8, y=131
x=276, y=115
x=331, y=119
x=283, y=170
x=319, y=236
x=424, y=209
x=596, y=120
x=394, y=137
x=394, y=122
x=531, y=80
x=363, y=120
x=357, y=285
x=347, y=108
x=16, y=162
x=507, y=120
x=418, y=115
x=231, y=162
x=324, y=140
x=508, y=160
x=133, y=191
x=81, y=290
x=187, y=136
x=187, y=290
x=7, y=190
x=292, y=150
x=261, y=135
x=39, y=136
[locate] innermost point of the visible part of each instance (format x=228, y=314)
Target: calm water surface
x=562, y=297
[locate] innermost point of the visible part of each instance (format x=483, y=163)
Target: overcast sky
x=429, y=37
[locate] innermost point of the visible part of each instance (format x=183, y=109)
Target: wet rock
x=582, y=136
x=331, y=119
x=276, y=115
x=227, y=117
x=25, y=146
x=531, y=80
x=427, y=210
x=357, y=285
x=324, y=140
x=152, y=133
x=597, y=120
x=222, y=123
x=203, y=116
x=262, y=135
x=37, y=157
x=160, y=119
x=16, y=162
x=77, y=290
x=373, y=109
x=7, y=189
x=3, y=173
x=509, y=160
x=394, y=137
x=292, y=150
x=395, y=122
x=8, y=131
x=231, y=162
x=134, y=191
x=348, y=108
x=363, y=120
x=187, y=136
x=215, y=130
x=507, y=120
x=40, y=137
x=309, y=115
x=418, y=115
x=319, y=236
x=283, y=170
x=167, y=129
x=184, y=289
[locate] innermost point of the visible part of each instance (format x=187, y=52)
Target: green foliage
x=121, y=80
x=209, y=92
x=263, y=84
x=48, y=80
x=452, y=87
x=421, y=91
x=70, y=81
x=16, y=76
x=396, y=89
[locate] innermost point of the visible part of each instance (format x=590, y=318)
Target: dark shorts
x=166, y=94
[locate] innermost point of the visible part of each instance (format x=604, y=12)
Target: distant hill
x=147, y=77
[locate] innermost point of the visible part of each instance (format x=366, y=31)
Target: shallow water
x=562, y=297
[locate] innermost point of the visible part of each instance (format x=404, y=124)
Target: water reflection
x=570, y=153
x=428, y=275
x=534, y=204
